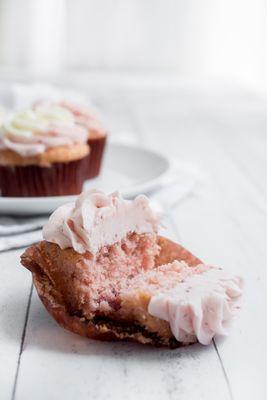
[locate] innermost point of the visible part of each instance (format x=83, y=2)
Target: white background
x=193, y=39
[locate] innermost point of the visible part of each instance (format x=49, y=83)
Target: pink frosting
x=53, y=137
x=96, y=220
x=29, y=136
x=85, y=116
x=201, y=306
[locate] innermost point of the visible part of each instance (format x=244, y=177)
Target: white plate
x=129, y=169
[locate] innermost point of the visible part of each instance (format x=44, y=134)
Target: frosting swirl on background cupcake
x=33, y=131
x=85, y=116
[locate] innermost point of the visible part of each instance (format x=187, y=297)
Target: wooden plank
x=15, y=287
x=225, y=224
x=227, y=243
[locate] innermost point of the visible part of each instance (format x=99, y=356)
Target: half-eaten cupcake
x=103, y=272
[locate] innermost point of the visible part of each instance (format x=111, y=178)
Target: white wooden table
x=224, y=133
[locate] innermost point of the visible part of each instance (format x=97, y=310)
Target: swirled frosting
x=96, y=220
x=200, y=306
x=33, y=131
x=84, y=116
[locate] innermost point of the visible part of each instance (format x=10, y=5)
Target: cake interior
x=93, y=284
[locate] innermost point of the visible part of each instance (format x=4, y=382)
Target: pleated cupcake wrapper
x=94, y=159
x=34, y=181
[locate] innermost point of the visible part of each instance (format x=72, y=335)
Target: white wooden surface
x=222, y=132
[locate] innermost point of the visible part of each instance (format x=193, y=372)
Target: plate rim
x=144, y=187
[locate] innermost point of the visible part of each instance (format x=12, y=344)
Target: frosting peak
x=96, y=220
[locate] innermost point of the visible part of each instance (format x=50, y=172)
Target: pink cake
x=104, y=272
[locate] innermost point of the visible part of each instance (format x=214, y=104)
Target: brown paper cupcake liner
x=59, y=179
x=94, y=159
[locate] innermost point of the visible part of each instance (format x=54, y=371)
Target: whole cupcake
x=43, y=152
x=97, y=135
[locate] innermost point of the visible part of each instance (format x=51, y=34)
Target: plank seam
x=223, y=370
x=178, y=235
x=22, y=343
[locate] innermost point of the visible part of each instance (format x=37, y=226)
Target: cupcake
x=43, y=152
x=103, y=272
x=97, y=135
